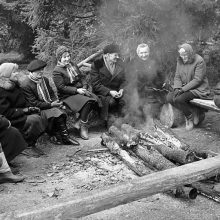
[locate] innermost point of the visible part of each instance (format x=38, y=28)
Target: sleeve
x=96, y=84
x=200, y=72
x=4, y=122
x=177, y=79
x=60, y=84
x=33, y=100
x=8, y=111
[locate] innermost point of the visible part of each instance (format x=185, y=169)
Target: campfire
x=150, y=150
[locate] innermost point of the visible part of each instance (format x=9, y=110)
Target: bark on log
x=99, y=200
x=89, y=59
x=114, y=148
x=174, y=154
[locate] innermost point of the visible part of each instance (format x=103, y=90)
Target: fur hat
x=60, y=51
x=36, y=65
x=111, y=48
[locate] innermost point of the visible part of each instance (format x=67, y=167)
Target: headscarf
x=6, y=69
x=189, y=50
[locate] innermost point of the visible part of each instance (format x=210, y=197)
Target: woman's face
x=143, y=53
x=65, y=59
x=184, y=56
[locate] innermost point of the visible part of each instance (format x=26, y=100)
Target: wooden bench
x=172, y=117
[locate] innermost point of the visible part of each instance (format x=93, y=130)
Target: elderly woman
x=14, y=107
x=73, y=90
x=38, y=93
x=6, y=176
x=190, y=82
x=8, y=137
x=144, y=76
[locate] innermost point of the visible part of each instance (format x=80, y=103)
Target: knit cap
x=60, y=51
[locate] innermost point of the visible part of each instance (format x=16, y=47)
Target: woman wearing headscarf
x=39, y=93
x=190, y=82
x=6, y=176
x=73, y=89
x=14, y=107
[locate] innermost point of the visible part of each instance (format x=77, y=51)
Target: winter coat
x=12, y=102
x=103, y=81
x=67, y=91
x=31, y=95
x=191, y=76
x=146, y=77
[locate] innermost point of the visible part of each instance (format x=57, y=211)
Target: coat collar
x=6, y=83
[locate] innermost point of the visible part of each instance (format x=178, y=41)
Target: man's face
x=65, y=59
x=38, y=74
x=113, y=57
x=143, y=53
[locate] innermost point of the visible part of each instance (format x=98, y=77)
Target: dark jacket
x=103, y=81
x=145, y=76
x=12, y=102
x=67, y=90
x=62, y=82
x=31, y=95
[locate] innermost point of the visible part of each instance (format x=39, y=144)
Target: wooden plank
x=206, y=104
x=99, y=200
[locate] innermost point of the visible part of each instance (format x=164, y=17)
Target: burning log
x=174, y=154
x=114, y=148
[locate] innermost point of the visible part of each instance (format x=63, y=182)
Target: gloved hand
x=178, y=92
x=33, y=110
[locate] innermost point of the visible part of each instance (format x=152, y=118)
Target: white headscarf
x=6, y=69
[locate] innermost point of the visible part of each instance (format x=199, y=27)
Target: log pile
x=159, y=149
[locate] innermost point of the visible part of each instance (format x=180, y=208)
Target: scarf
x=110, y=65
x=71, y=70
x=42, y=90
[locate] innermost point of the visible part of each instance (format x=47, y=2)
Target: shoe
x=189, y=123
x=196, y=117
x=9, y=177
x=69, y=141
x=84, y=130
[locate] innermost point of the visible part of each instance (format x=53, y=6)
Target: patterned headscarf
x=6, y=69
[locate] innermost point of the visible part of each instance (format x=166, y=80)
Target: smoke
x=162, y=24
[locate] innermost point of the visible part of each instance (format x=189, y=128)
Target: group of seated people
x=30, y=107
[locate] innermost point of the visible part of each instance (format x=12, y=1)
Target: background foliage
x=39, y=26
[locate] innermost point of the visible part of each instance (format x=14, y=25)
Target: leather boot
x=65, y=135
x=9, y=177
x=84, y=130
x=189, y=122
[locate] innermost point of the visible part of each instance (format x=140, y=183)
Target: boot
x=84, y=130
x=189, y=122
x=76, y=124
x=9, y=177
x=65, y=135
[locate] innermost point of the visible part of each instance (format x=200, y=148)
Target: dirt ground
x=66, y=171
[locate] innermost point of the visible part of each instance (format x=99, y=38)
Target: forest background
x=35, y=28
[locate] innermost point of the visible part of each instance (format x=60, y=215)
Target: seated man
x=190, y=82
x=107, y=79
x=145, y=79
x=6, y=176
x=11, y=139
x=14, y=107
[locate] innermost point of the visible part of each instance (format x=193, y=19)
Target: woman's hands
x=56, y=103
x=31, y=110
x=83, y=91
x=116, y=94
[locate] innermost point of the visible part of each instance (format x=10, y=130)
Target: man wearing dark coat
x=108, y=80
